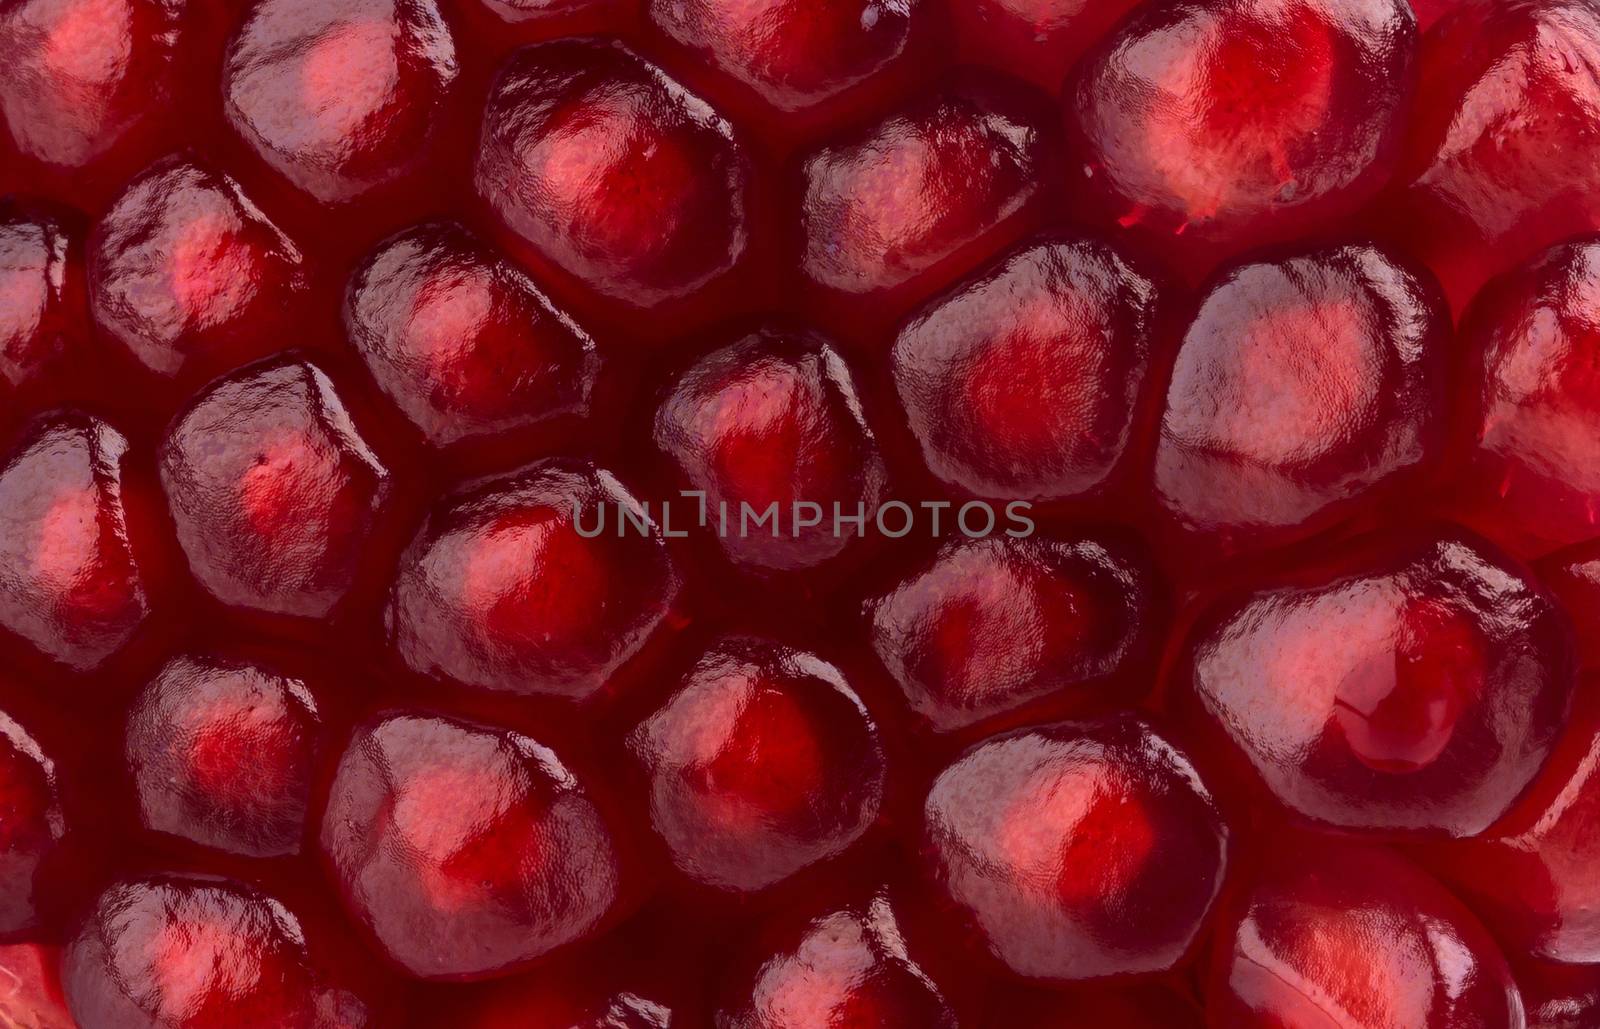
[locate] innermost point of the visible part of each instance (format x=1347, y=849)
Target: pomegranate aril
x=1332, y=933
x=894, y=212
x=75, y=558
x=1039, y=40
x=461, y=340
x=1025, y=381
x=276, y=494
x=221, y=752
x=556, y=369
x=1078, y=850
x=795, y=56
x=184, y=271
x=466, y=851
x=1407, y=683
x=31, y=996
x=207, y=953
x=1211, y=126
x=988, y=627
x=1533, y=401
x=1496, y=160
x=92, y=81
x=1534, y=876
x=42, y=309
x=500, y=590
x=32, y=825
x=764, y=763
x=848, y=965
x=601, y=166
x=774, y=418
x=1306, y=388
x=340, y=96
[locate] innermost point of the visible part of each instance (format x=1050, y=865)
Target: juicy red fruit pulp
x=1216, y=125
x=800, y=514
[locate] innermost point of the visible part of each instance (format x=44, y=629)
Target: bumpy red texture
x=800, y=514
